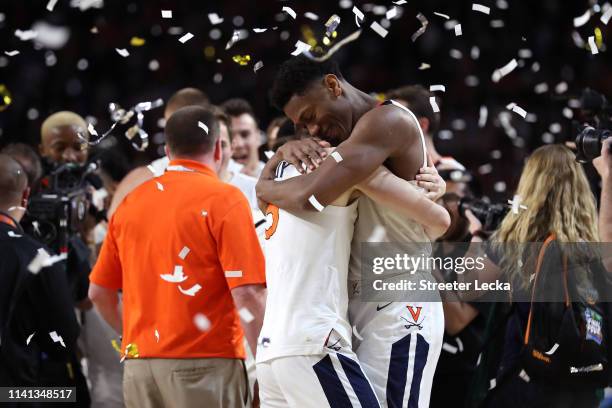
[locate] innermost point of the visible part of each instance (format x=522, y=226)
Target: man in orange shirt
x=183, y=249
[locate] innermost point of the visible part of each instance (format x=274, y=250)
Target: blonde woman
x=556, y=199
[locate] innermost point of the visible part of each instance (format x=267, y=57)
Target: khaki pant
x=185, y=383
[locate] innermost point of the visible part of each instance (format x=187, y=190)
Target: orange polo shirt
x=177, y=245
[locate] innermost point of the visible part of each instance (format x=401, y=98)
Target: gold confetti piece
x=5, y=96
x=598, y=37
x=115, y=345
x=137, y=42
x=241, y=60
x=332, y=24
x=131, y=350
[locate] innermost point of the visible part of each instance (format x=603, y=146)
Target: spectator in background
x=60, y=142
x=183, y=345
x=28, y=159
x=38, y=328
x=245, y=136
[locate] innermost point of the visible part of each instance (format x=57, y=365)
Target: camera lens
x=588, y=143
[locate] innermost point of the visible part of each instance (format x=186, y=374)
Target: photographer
x=38, y=329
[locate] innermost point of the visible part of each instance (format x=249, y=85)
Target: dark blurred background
x=73, y=65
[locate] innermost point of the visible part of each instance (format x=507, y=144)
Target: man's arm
x=107, y=302
x=250, y=300
x=377, y=136
x=132, y=180
x=398, y=194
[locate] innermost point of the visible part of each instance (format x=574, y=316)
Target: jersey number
x=273, y=210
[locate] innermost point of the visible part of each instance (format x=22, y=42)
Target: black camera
x=489, y=214
x=57, y=210
x=596, y=112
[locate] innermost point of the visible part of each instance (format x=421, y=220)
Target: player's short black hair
x=295, y=76
x=185, y=136
x=417, y=99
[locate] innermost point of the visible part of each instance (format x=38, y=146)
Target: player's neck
x=361, y=103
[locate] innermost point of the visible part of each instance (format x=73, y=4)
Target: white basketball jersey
x=307, y=256
x=377, y=223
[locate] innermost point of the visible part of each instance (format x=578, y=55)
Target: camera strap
x=7, y=219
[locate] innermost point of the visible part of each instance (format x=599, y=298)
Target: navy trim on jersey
x=330, y=382
x=420, y=359
x=398, y=372
x=359, y=382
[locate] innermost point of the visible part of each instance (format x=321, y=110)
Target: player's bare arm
x=378, y=136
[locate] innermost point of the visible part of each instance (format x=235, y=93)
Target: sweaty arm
x=377, y=136
x=399, y=195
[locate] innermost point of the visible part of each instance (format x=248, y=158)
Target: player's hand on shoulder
x=429, y=179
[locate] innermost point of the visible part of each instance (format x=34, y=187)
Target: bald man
x=35, y=300
x=59, y=138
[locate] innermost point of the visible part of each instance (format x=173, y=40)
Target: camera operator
x=35, y=302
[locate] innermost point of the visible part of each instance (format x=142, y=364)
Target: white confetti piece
x=541, y=88
x=593, y=46
x=481, y=8
x=269, y=154
x=300, y=47
x=434, y=88
x=258, y=65
x=380, y=30
x=424, y=66
x=605, y=17
x=492, y=383
x=442, y=15
x=123, y=52
x=499, y=73
x=185, y=38
x=260, y=30
x=166, y=13
x=315, y=203
x=356, y=333
x=583, y=19
x=516, y=204
x=204, y=213
x=311, y=16
x=203, y=126
x=201, y=322
x=26, y=35
x=517, y=109
x=214, y=18
x=449, y=348
x=524, y=376
x=290, y=11
x=233, y=274
x=246, y=315
x=391, y=13
x=44, y=260
x=13, y=235
x=552, y=350
x=29, y=339
x=358, y=15
x=482, y=116
x=184, y=252
x=51, y=5
x=433, y=103
x=11, y=53
x=160, y=186
x=191, y=291
x=336, y=157
x=458, y=31
x=57, y=338
x=420, y=31
x=156, y=335
x=400, y=2
x=459, y=343
x=177, y=276
x=336, y=47
x=485, y=169
x=497, y=23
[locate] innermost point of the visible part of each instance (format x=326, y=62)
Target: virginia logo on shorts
x=415, y=312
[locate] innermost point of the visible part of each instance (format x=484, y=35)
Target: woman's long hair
x=555, y=190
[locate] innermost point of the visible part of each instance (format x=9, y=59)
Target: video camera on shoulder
x=57, y=210
x=489, y=214
x=596, y=115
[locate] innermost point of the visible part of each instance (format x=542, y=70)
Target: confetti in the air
x=332, y=23
x=233, y=274
x=204, y=213
x=5, y=97
x=359, y=16
x=336, y=157
x=235, y=38
x=156, y=335
x=482, y=116
x=335, y=48
x=269, y=154
x=51, y=5
x=311, y=16
x=485, y=169
x=442, y=15
x=177, y=276
x=434, y=88
x=315, y=203
x=123, y=52
x=246, y=315
x=137, y=42
x=241, y=60
x=593, y=46
x=26, y=35
x=434, y=104
x=201, y=322
x=166, y=13
x=13, y=235
x=131, y=351
x=43, y=260
x=481, y=8
x=184, y=252
x=260, y=30
x=11, y=53
x=290, y=11
x=191, y=291
x=185, y=38
x=203, y=126
x=258, y=65
x=499, y=73
x=214, y=18
x=516, y=204
x=458, y=31
x=29, y=339
x=517, y=109
x=605, y=17
x=424, y=66
x=391, y=13
x=57, y=338
x=400, y=2
x=380, y=30
x=420, y=31
x=160, y=186
x=583, y=19
x=300, y=47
